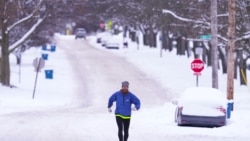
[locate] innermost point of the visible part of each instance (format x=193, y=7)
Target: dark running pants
x=123, y=125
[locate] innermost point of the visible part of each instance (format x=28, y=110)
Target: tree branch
x=24, y=19
x=184, y=19
x=26, y=35
x=19, y=22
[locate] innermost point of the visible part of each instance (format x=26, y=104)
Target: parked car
x=80, y=33
x=113, y=43
x=103, y=42
x=104, y=38
x=201, y=106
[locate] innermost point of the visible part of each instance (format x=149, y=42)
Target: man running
x=124, y=100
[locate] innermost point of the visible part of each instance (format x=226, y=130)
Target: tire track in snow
x=100, y=73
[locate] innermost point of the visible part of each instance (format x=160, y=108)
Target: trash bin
x=44, y=47
x=229, y=109
x=53, y=48
x=49, y=74
x=45, y=56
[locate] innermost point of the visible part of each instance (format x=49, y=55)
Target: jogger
x=124, y=99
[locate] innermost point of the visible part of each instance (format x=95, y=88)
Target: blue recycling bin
x=45, y=56
x=53, y=48
x=44, y=47
x=229, y=109
x=49, y=74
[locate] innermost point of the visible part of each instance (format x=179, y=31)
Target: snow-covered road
x=97, y=74
x=100, y=73
x=72, y=124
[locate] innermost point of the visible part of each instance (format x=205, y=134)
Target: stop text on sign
x=197, y=66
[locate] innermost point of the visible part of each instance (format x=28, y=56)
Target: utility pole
x=230, y=49
x=214, y=32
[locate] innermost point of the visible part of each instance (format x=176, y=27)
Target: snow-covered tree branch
x=184, y=19
x=26, y=35
x=19, y=22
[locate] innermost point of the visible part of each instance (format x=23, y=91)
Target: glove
x=134, y=109
x=109, y=110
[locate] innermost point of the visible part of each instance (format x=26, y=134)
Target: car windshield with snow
x=201, y=106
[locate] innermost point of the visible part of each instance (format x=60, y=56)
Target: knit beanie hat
x=125, y=84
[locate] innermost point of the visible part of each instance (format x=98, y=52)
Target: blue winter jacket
x=124, y=102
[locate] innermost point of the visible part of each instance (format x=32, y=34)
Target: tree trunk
x=155, y=39
x=183, y=47
x=132, y=36
x=196, y=44
x=125, y=31
x=204, y=54
x=164, y=38
x=5, y=63
x=231, y=46
x=178, y=45
x=166, y=41
x=209, y=56
x=170, y=43
x=214, y=31
x=242, y=65
x=152, y=37
x=242, y=70
x=187, y=48
x=223, y=61
x=145, y=38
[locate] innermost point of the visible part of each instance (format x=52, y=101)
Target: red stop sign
x=197, y=65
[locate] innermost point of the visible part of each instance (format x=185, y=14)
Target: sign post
x=38, y=64
x=197, y=66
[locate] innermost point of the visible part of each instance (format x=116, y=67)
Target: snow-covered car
x=80, y=33
x=109, y=41
x=104, y=38
x=103, y=43
x=113, y=43
x=201, y=106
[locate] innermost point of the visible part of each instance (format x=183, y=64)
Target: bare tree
x=10, y=19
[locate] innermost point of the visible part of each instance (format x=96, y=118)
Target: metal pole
x=197, y=80
x=137, y=38
x=20, y=73
x=20, y=68
x=34, y=91
x=37, y=70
